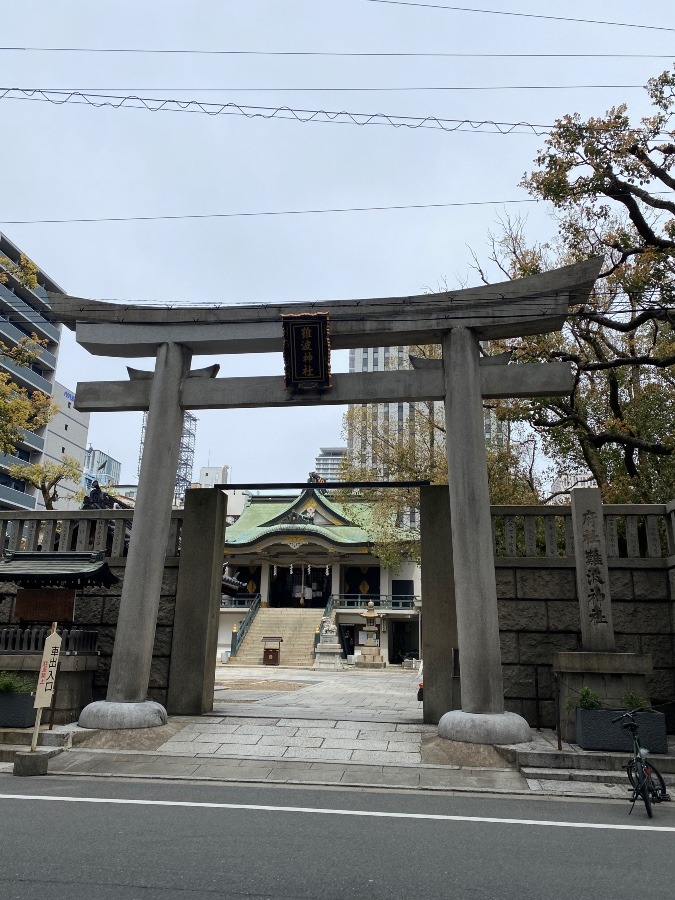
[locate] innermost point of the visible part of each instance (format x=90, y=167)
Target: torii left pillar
x=126, y=704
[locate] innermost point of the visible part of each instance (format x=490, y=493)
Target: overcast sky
x=75, y=161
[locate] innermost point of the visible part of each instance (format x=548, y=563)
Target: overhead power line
x=366, y=90
x=278, y=212
x=337, y=53
x=522, y=15
x=342, y=117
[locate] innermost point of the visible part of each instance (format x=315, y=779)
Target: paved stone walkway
x=346, y=716
x=351, y=728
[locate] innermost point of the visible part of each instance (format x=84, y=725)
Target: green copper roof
x=264, y=516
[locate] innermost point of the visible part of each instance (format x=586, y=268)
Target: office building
x=99, y=466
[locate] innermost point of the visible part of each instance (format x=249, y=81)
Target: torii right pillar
x=482, y=718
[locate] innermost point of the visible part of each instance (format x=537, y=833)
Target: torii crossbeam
x=455, y=320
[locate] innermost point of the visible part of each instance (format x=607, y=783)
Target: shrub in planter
x=597, y=731
x=16, y=701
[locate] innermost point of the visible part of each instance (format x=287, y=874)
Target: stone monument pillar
x=592, y=572
x=609, y=674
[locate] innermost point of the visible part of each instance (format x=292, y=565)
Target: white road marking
x=339, y=812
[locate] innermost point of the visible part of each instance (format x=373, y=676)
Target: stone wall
x=539, y=615
x=98, y=607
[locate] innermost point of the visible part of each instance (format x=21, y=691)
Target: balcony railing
x=380, y=601
x=18, y=499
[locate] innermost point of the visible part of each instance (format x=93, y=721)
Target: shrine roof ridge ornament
x=532, y=305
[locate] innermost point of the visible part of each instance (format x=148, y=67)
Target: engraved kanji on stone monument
x=595, y=606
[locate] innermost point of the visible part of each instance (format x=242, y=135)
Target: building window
x=364, y=360
x=12, y=483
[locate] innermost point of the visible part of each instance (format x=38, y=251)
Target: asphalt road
x=105, y=839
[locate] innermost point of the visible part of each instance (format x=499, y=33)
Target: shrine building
x=308, y=552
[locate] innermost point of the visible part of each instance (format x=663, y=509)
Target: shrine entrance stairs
x=297, y=627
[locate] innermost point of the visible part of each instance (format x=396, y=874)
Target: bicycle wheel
x=642, y=787
x=655, y=780
x=657, y=784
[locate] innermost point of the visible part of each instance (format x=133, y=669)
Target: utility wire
x=351, y=90
x=281, y=212
x=522, y=15
x=343, y=117
x=337, y=53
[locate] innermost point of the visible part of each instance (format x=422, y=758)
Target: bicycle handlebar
x=628, y=715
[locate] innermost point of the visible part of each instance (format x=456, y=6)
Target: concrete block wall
x=98, y=607
x=539, y=615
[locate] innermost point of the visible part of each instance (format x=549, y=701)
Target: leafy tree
x=605, y=179
x=25, y=271
x=46, y=476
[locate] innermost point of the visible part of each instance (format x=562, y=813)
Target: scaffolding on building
x=186, y=455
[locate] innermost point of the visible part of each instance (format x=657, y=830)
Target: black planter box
x=16, y=710
x=595, y=730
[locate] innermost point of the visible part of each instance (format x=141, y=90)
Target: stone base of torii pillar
x=109, y=715
x=484, y=728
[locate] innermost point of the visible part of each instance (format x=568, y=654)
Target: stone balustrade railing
x=632, y=531
x=31, y=640
x=95, y=529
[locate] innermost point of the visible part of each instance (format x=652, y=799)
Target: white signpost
x=44, y=695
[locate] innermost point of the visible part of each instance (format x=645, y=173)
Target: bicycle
x=642, y=774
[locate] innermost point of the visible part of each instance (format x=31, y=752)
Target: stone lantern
x=370, y=657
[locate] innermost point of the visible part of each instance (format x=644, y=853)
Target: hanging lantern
x=274, y=571
x=327, y=570
x=290, y=568
x=309, y=570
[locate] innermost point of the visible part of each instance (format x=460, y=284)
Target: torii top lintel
x=532, y=305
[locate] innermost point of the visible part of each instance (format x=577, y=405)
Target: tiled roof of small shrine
x=43, y=569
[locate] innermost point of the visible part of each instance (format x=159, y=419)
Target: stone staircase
x=551, y=766
x=296, y=626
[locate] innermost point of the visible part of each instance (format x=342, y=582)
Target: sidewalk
x=348, y=728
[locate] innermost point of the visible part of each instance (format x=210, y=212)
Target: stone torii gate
x=456, y=320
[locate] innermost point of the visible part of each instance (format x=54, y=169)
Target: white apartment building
x=210, y=475
x=328, y=462
x=23, y=312
x=66, y=435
